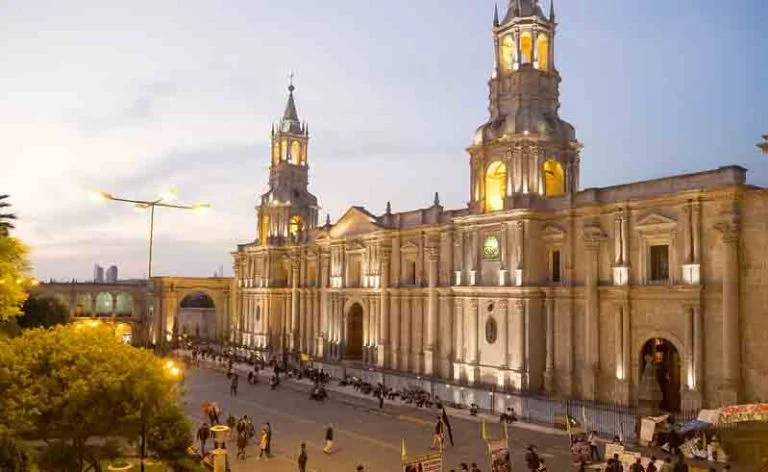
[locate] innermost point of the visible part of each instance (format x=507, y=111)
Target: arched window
x=264, y=231
x=103, y=304
x=507, y=52
x=124, y=304
x=275, y=152
x=495, y=186
x=554, y=178
x=542, y=51
x=284, y=150
x=526, y=48
x=85, y=302
x=295, y=225
x=295, y=153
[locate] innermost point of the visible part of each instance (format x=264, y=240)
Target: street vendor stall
x=743, y=433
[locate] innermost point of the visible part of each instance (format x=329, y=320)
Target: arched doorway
x=666, y=360
x=354, y=345
x=197, y=317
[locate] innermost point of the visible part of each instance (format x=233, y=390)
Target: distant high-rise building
x=98, y=274
x=112, y=274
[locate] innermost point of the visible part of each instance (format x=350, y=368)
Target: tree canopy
x=43, y=312
x=5, y=218
x=77, y=382
x=13, y=276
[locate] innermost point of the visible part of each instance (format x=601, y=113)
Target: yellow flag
x=402, y=452
x=484, y=430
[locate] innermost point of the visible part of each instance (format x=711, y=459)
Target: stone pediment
x=552, y=232
x=355, y=246
x=355, y=221
x=655, y=222
x=409, y=246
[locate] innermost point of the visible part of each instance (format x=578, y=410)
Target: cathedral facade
x=536, y=284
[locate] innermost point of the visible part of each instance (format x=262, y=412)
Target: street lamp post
x=162, y=201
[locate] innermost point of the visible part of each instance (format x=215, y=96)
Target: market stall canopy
x=735, y=414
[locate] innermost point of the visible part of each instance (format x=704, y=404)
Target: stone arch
x=196, y=314
x=104, y=304
x=507, y=52
x=526, y=48
x=124, y=304
x=672, y=369
x=295, y=225
x=83, y=304
x=495, y=186
x=296, y=153
x=354, y=331
x=554, y=178
x=542, y=51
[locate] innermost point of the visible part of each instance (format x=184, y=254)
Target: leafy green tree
x=42, y=312
x=77, y=382
x=13, y=276
x=5, y=218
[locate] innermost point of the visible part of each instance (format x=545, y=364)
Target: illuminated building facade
x=536, y=284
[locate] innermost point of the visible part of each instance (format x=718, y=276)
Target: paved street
x=364, y=434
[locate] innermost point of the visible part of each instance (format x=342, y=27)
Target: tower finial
x=437, y=199
x=552, y=11
x=389, y=208
x=495, y=14
x=291, y=88
x=327, y=219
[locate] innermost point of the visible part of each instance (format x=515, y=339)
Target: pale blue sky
x=135, y=96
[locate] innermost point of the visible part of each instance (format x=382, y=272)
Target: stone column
x=698, y=349
x=472, y=358
x=445, y=340
x=325, y=265
x=295, y=265
x=395, y=333
x=520, y=245
x=731, y=387
x=521, y=339
x=461, y=328
x=382, y=354
x=591, y=316
x=366, y=328
x=549, y=371
x=688, y=347
x=433, y=254
x=406, y=332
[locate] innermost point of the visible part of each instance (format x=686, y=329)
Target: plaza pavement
x=364, y=434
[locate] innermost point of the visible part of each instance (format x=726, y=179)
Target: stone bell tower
x=524, y=152
x=287, y=210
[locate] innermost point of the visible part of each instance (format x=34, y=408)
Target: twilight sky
x=134, y=97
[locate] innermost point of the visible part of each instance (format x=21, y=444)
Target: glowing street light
x=141, y=205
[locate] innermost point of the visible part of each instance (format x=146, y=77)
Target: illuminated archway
x=295, y=153
x=284, y=150
x=275, y=152
x=124, y=304
x=666, y=365
x=103, y=304
x=84, y=304
x=542, y=51
x=354, y=345
x=495, y=186
x=507, y=52
x=295, y=225
x=554, y=178
x=264, y=230
x=526, y=48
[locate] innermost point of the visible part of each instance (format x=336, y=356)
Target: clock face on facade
x=491, y=330
x=491, y=249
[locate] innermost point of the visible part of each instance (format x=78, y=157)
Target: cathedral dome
x=526, y=121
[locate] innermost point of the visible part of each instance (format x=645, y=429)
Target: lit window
x=491, y=248
x=264, y=229
x=284, y=150
x=295, y=153
x=659, y=263
x=554, y=178
x=276, y=152
x=507, y=52
x=495, y=186
x=542, y=52
x=526, y=48
x=295, y=225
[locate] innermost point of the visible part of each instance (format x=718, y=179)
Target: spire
x=551, y=11
x=437, y=199
x=495, y=14
x=389, y=208
x=327, y=219
x=290, y=108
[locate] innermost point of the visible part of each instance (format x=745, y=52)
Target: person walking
x=242, y=443
x=444, y=416
x=233, y=386
x=531, y=458
x=302, y=459
x=203, y=433
x=594, y=452
x=328, y=449
x=652, y=465
x=381, y=398
x=437, y=437
x=269, y=439
x=637, y=466
x=263, y=444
